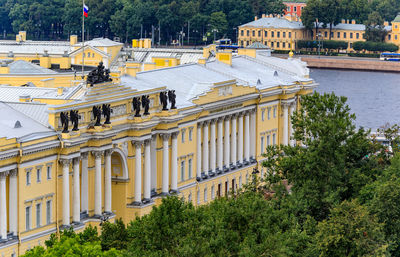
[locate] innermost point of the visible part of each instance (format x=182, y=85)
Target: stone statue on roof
x=164, y=100
x=74, y=119
x=64, y=121
x=146, y=104
x=171, y=98
x=107, y=113
x=96, y=115
x=98, y=75
x=136, y=106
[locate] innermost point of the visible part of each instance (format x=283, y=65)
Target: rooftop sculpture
x=98, y=75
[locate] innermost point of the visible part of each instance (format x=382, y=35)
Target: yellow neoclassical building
x=282, y=32
x=116, y=160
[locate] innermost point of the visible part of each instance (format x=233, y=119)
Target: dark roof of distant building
x=295, y=1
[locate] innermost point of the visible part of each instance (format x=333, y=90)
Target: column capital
x=147, y=141
x=13, y=172
x=85, y=155
x=234, y=116
x=97, y=154
x=206, y=122
x=213, y=121
x=220, y=119
x=137, y=143
x=3, y=174
x=65, y=162
x=154, y=137
x=227, y=117
x=286, y=104
x=199, y=124
x=108, y=152
x=175, y=134
x=76, y=160
x=165, y=136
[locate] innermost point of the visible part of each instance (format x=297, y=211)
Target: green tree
x=333, y=154
x=374, y=28
x=350, y=231
x=312, y=15
x=218, y=22
x=114, y=235
x=332, y=14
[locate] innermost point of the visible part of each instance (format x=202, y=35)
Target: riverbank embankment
x=351, y=64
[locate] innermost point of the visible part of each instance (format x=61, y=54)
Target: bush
x=281, y=51
x=326, y=44
x=363, y=55
x=374, y=46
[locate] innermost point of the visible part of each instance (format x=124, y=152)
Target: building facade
x=294, y=7
x=281, y=33
x=55, y=173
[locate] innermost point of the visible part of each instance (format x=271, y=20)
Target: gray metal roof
x=24, y=67
x=274, y=22
x=35, y=47
x=36, y=111
x=100, y=42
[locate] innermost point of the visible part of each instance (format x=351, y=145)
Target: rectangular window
x=284, y=34
x=38, y=174
x=242, y=33
x=259, y=33
x=272, y=34
x=28, y=178
x=240, y=181
x=248, y=32
x=290, y=34
x=351, y=35
x=331, y=34
x=268, y=140
x=266, y=33
x=182, y=170
x=295, y=8
x=274, y=139
x=278, y=34
x=277, y=44
x=28, y=218
x=205, y=194
x=183, y=136
x=326, y=34
x=190, y=198
x=191, y=132
x=241, y=43
x=338, y=35
x=253, y=33
x=269, y=113
x=48, y=212
x=283, y=44
x=389, y=37
x=272, y=44
x=198, y=196
x=274, y=112
x=358, y=35
x=48, y=172
x=190, y=168
x=289, y=45
x=344, y=34
x=38, y=214
x=262, y=144
x=263, y=115
x=288, y=8
x=212, y=192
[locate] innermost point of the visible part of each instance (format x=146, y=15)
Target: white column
x=292, y=108
x=66, y=211
x=138, y=172
x=147, y=170
x=253, y=134
x=85, y=182
x=3, y=206
x=76, y=212
x=226, y=143
x=247, y=137
x=13, y=197
x=165, y=168
x=174, y=163
x=205, y=148
x=97, y=183
x=198, y=149
x=285, y=124
x=220, y=148
x=107, y=181
x=233, y=142
x=212, y=146
x=240, y=141
x=153, y=152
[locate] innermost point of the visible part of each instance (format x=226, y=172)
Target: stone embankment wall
x=351, y=64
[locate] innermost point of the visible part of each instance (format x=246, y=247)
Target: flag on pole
x=85, y=10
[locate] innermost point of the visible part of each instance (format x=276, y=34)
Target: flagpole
x=83, y=39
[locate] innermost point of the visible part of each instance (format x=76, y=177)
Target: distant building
x=294, y=7
x=282, y=32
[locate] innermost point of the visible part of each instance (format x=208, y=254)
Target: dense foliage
x=128, y=19
x=326, y=44
x=335, y=194
x=374, y=46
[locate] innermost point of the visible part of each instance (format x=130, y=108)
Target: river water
x=373, y=96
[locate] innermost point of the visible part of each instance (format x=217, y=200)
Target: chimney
x=348, y=21
x=343, y=21
x=255, y=18
x=60, y=91
x=73, y=39
x=263, y=15
x=353, y=21
x=386, y=23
